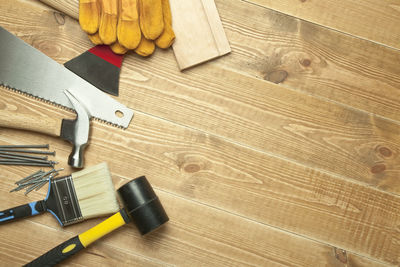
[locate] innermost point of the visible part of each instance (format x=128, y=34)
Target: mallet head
x=142, y=205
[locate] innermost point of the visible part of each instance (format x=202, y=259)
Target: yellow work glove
x=125, y=25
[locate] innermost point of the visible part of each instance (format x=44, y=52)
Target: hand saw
x=25, y=69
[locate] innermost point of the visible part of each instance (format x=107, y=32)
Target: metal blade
x=28, y=70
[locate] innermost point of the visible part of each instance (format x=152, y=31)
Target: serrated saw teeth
x=19, y=92
x=33, y=73
x=14, y=90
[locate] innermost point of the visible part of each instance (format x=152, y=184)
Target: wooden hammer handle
x=22, y=121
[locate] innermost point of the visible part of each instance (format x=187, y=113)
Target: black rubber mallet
x=140, y=206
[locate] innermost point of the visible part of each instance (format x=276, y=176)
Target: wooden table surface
x=285, y=152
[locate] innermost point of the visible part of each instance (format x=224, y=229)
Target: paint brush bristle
x=82, y=195
x=95, y=191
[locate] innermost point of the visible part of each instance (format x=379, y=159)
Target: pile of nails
x=35, y=180
x=19, y=155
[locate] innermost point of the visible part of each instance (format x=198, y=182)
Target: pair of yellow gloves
x=137, y=25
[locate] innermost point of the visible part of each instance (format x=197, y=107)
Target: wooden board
x=200, y=35
x=187, y=240
x=250, y=172
x=223, y=175
x=315, y=60
x=294, y=53
x=210, y=222
x=319, y=132
x=373, y=20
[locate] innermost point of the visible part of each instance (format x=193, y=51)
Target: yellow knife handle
x=77, y=243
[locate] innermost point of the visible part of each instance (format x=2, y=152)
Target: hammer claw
x=76, y=131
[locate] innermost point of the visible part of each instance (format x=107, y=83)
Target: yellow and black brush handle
x=77, y=243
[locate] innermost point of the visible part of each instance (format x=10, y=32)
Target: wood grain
x=222, y=100
x=15, y=119
x=194, y=236
x=17, y=250
x=304, y=56
x=206, y=39
x=209, y=170
x=377, y=21
x=251, y=173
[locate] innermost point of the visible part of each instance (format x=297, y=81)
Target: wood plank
x=215, y=24
x=307, y=57
x=250, y=184
x=377, y=21
x=199, y=165
x=190, y=238
x=220, y=99
x=205, y=41
x=17, y=249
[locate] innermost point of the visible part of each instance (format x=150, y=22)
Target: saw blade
x=26, y=69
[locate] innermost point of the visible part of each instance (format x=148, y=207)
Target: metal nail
x=42, y=184
x=16, y=155
x=17, y=188
x=31, y=188
x=53, y=171
x=23, y=185
x=28, y=160
x=26, y=164
x=28, y=177
x=53, y=153
x=36, y=180
x=31, y=182
x=26, y=146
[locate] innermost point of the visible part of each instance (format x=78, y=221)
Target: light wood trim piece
x=218, y=32
x=200, y=35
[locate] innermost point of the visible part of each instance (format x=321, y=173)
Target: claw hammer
x=75, y=131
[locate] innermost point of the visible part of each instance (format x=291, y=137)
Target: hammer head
x=142, y=205
x=76, y=131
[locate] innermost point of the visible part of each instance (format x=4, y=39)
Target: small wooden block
x=200, y=36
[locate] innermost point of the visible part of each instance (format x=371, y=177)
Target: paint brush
x=82, y=195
